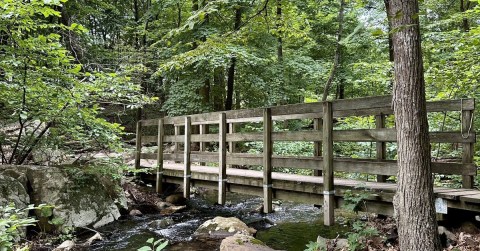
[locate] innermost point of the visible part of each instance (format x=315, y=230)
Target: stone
x=221, y=227
x=161, y=223
x=176, y=199
x=162, y=205
x=135, y=212
x=89, y=200
x=65, y=246
x=242, y=242
x=172, y=210
x=450, y=236
x=13, y=191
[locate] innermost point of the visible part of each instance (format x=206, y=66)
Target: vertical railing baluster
x=187, y=174
x=267, y=161
x=161, y=132
x=328, y=179
x=222, y=158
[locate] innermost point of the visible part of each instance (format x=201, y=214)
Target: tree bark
x=463, y=8
x=414, y=200
x=231, y=70
x=337, y=51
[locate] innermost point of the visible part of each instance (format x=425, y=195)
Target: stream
x=290, y=228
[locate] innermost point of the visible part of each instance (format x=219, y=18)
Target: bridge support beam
x=187, y=173
x=222, y=158
x=159, y=184
x=267, y=160
x=328, y=186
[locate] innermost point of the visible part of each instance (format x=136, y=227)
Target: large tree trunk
x=414, y=200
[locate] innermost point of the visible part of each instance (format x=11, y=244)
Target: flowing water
x=290, y=228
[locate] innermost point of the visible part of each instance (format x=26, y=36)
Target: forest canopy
x=65, y=64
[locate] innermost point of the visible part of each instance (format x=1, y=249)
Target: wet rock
x=221, y=227
x=176, y=199
x=242, y=242
x=162, y=205
x=135, y=212
x=65, y=246
x=172, y=210
x=162, y=223
x=262, y=223
x=96, y=237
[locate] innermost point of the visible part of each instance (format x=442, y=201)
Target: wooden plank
x=267, y=160
x=468, y=148
x=451, y=105
x=176, y=145
x=149, y=122
x=187, y=174
x=231, y=144
x=203, y=146
x=138, y=145
x=246, y=136
x=159, y=183
x=222, y=159
x=456, y=195
x=381, y=149
x=317, y=145
x=149, y=139
x=204, y=137
x=474, y=198
x=297, y=136
x=466, y=169
x=328, y=178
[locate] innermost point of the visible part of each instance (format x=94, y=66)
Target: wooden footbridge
x=222, y=130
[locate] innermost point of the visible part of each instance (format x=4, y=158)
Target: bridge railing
x=323, y=135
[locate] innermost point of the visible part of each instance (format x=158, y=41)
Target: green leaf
x=145, y=248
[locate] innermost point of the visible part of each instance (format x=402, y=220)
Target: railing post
x=328, y=186
x=138, y=145
x=267, y=160
x=468, y=148
x=159, y=183
x=222, y=158
x=187, y=174
x=317, y=145
x=176, y=145
x=380, y=146
x=203, y=131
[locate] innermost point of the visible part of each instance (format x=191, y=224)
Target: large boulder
x=242, y=242
x=79, y=199
x=221, y=227
x=12, y=191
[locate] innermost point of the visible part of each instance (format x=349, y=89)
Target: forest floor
x=463, y=237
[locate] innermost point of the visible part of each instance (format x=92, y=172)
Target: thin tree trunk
x=231, y=70
x=337, y=51
x=390, y=40
x=279, y=39
x=463, y=8
x=414, y=200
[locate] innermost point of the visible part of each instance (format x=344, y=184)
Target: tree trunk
x=414, y=200
x=279, y=39
x=231, y=70
x=337, y=50
x=463, y=8
x=390, y=40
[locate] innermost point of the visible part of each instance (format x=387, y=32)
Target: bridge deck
x=309, y=189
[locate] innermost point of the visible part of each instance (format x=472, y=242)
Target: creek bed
x=290, y=228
